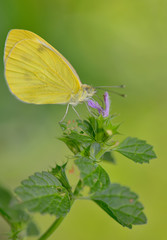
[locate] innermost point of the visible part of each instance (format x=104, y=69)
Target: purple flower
x=95, y=105
x=107, y=105
x=104, y=112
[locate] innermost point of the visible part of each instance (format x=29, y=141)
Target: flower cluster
x=101, y=110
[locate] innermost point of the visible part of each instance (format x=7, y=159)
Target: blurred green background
x=108, y=43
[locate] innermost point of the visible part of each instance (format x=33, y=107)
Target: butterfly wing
x=15, y=35
x=36, y=72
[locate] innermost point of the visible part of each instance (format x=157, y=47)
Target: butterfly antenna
x=119, y=86
x=111, y=91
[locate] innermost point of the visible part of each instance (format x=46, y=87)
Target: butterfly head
x=84, y=93
x=88, y=92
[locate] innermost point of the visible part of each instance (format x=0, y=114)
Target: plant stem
x=101, y=152
x=52, y=228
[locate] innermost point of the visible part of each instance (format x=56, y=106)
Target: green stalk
x=101, y=152
x=52, y=228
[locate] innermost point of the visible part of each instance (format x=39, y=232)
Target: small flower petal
x=104, y=112
x=107, y=105
x=95, y=105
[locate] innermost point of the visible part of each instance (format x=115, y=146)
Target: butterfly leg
x=102, y=103
x=93, y=114
x=76, y=112
x=65, y=113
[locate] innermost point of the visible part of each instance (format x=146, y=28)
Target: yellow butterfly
x=37, y=73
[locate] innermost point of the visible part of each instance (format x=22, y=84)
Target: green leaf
x=8, y=209
x=72, y=144
x=110, y=128
x=121, y=204
x=63, y=125
x=98, y=127
x=32, y=229
x=94, y=149
x=86, y=127
x=103, y=128
x=108, y=156
x=59, y=173
x=137, y=150
x=92, y=175
x=79, y=137
x=14, y=216
x=118, y=201
x=75, y=141
x=44, y=193
x=89, y=134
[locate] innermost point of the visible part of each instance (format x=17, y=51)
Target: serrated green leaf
x=121, y=204
x=44, y=193
x=137, y=150
x=92, y=175
x=60, y=174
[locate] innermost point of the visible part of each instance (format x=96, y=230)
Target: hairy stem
x=52, y=228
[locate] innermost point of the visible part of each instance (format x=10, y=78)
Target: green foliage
x=91, y=138
x=116, y=200
x=44, y=193
x=96, y=141
x=121, y=204
x=32, y=229
x=92, y=174
x=18, y=219
x=137, y=150
x=108, y=156
x=60, y=174
x=91, y=141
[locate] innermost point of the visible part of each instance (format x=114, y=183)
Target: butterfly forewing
x=16, y=35
x=36, y=73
